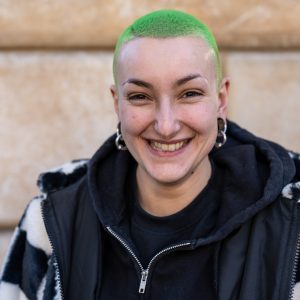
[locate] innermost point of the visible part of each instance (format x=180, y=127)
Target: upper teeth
x=167, y=147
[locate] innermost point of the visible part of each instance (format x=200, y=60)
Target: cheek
x=133, y=120
x=201, y=117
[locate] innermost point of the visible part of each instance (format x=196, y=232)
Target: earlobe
x=114, y=93
x=223, y=97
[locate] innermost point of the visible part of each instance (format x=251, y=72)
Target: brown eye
x=137, y=97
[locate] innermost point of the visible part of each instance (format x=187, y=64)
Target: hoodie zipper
x=145, y=272
x=295, y=267
x=58, y=273
x=295, y=258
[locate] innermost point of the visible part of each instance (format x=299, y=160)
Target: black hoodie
x=247, y=254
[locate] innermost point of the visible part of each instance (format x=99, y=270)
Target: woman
x=173, y=206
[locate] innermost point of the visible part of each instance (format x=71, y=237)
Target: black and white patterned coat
x=30, y=270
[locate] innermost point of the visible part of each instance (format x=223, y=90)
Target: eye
x=137, y=97
x=191, y=94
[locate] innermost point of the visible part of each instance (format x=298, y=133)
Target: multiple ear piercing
x=119, y=141
x=221, y=137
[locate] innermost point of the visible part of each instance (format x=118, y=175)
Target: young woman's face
x=168, y=103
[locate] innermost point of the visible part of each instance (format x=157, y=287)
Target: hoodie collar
x=109, y=168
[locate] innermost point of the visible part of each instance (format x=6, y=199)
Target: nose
x=166, y=124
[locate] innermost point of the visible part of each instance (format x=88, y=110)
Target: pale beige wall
x=55, y=72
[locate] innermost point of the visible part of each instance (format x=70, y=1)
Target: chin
x=169, y=177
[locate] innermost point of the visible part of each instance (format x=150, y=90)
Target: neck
x=164, y=199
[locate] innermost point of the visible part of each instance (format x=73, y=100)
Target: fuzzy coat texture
x=30, y=270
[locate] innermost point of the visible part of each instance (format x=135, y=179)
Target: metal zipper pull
x=144, y=272
x=143, y=282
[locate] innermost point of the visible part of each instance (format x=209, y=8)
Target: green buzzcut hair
x=167, y=24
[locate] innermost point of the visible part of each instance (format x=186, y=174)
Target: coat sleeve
x=29, y=270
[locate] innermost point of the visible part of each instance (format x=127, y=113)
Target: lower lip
x=167, y=153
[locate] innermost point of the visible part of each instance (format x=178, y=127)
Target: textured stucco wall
x=55, y=73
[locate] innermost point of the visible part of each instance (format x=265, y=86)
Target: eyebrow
x=187, y=78
x=178, y=82
x=138, y=82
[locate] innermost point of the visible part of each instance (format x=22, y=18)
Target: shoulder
x=296, y=158
x=63, y=176
x=30, y=265
x=292, y=190
x=294, y=155
x=31, y=227
x=49, y=182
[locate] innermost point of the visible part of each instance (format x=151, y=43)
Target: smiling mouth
x=168, y=147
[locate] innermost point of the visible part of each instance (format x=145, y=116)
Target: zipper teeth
x=294, y=273
x=58, y=275
x=166, y=250
x=126, y=246
x=144, y=272
x=153, y=258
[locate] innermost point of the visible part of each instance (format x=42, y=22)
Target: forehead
x=153, y=57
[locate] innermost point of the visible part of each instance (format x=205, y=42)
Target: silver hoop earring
x=221, y=137
x=119, y=141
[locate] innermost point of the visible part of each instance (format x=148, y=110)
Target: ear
x=223, y=95
x=114, y=93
